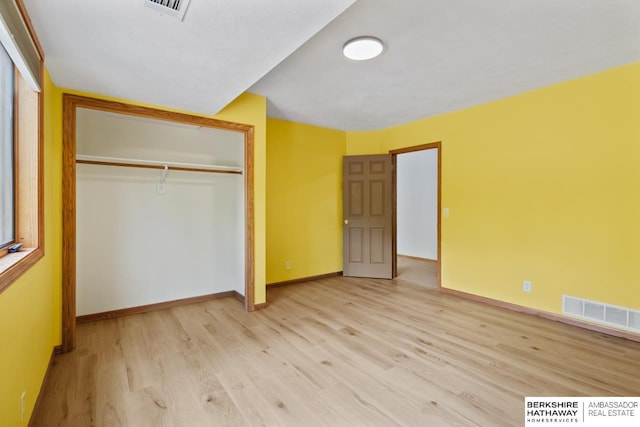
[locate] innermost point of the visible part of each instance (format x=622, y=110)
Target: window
x=7, y=193
x=21, y=185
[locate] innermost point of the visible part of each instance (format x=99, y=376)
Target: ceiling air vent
x=174, y=8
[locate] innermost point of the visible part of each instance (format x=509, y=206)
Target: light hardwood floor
x=419, y=272
x=335, y=352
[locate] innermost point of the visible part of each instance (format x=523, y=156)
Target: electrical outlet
x=287, y=265
x=526, y=286
x=445, y=212
x=23, y=405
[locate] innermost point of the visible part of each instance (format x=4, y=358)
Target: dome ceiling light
x=363, y=48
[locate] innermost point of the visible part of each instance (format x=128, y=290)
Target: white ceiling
x=441, y=55
x=124, y=49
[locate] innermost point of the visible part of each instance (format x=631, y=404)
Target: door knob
x=346, y=221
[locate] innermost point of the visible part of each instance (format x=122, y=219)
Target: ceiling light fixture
x=363, y=48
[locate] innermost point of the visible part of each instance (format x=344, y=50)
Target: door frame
x=70, y=103
x=394, y=163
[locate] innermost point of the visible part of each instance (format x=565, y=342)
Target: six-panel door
x=367, y=216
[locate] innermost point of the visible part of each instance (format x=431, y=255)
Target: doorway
x=416, y=219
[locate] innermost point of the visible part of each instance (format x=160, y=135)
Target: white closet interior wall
x=138, y=245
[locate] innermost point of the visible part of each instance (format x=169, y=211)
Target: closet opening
x=157, y=210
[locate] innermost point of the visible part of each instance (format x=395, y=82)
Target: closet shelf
x=154, y=164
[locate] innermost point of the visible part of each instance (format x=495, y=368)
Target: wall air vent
x=599, y=312
x=174, y=8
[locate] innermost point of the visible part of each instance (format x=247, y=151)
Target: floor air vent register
x=605, y=314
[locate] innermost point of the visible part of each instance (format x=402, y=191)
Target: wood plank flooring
x=418, y=272
x=335, y=352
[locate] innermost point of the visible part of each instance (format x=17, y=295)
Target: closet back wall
x=139, y=243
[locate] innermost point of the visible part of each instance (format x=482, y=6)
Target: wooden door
x=367, y=215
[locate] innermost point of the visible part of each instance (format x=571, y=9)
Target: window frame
x=16, y=160
x=14, y=155
x=28, y=171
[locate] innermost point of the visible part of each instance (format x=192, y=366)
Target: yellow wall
x=304, y=206
x=30, y=307
x=364, y=142
x=543, y=186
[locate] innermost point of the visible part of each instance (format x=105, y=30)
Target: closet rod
x=152, y=164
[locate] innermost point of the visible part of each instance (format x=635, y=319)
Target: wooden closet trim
x=69, y=105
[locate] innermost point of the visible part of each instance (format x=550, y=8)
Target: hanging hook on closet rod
x=161, y=188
